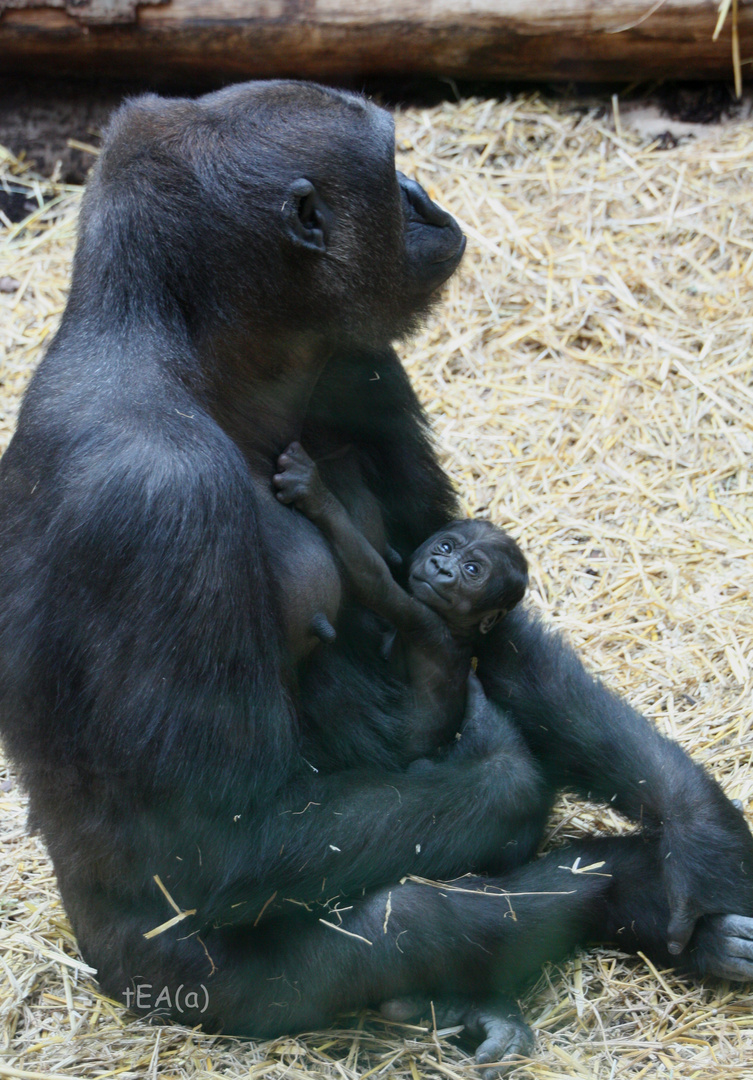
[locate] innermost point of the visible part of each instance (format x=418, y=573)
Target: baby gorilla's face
x=451, y=572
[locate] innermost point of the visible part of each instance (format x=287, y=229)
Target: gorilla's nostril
x=421, y=204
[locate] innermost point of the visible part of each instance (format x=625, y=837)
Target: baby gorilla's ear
x=490, y=619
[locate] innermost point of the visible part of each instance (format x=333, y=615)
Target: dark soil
x=38, y=117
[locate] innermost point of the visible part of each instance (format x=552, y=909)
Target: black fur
x=150, y=585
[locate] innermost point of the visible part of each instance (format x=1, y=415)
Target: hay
x=590, y=380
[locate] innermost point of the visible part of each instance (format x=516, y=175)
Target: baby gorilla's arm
x=298, y=482
x=437, y=668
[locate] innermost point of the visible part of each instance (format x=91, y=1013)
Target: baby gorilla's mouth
x=424, y=590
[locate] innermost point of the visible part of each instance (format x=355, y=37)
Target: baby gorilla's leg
x=487, y=729
x=488, y=734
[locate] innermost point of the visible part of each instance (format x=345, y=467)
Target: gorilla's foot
x=497, y=1027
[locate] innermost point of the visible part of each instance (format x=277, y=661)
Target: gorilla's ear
x=306, y=216
x=490, y=619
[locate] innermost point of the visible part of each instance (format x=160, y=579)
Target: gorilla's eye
x=472, y=568
x=445, y=547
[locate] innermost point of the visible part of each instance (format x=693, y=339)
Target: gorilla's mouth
x=451, y=261
x=425, y=591
x=434, y=241
x=435, y=268
x=455, y=257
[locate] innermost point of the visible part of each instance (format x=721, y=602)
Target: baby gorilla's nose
x=441, y=567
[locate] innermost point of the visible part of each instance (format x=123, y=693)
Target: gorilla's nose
x=421, y=204
x=441, y=568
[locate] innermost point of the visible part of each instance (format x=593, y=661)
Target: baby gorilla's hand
x=298, y=480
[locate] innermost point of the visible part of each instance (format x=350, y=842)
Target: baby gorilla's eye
x=472, y=568
x=445, y=547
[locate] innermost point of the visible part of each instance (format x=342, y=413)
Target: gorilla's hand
x=723, y=946
x=706, y=858
x=298, y=481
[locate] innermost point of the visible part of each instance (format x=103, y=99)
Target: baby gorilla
x=462, y=581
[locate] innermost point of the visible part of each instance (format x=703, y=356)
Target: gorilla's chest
x=307, y=575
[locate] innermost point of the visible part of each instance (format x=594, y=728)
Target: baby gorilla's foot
x=497, y=1027
x=505, y=1037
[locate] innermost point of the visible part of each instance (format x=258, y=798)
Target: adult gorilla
x=244, y=262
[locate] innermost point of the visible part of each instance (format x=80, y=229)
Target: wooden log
x=206, y=40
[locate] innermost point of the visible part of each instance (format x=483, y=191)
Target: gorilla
x=245, y=263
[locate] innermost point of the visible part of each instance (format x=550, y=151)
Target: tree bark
x=207, y=40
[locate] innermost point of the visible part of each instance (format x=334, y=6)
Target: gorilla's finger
x=681, y=926
x=731, y=967
x=735, y=926
x=506, y=1037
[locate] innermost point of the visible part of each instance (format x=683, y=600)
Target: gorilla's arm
x=587, y=738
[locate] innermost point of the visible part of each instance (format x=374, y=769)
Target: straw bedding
x=590, y=381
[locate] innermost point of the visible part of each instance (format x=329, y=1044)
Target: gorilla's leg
x=588, y=739
x=477, y=939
